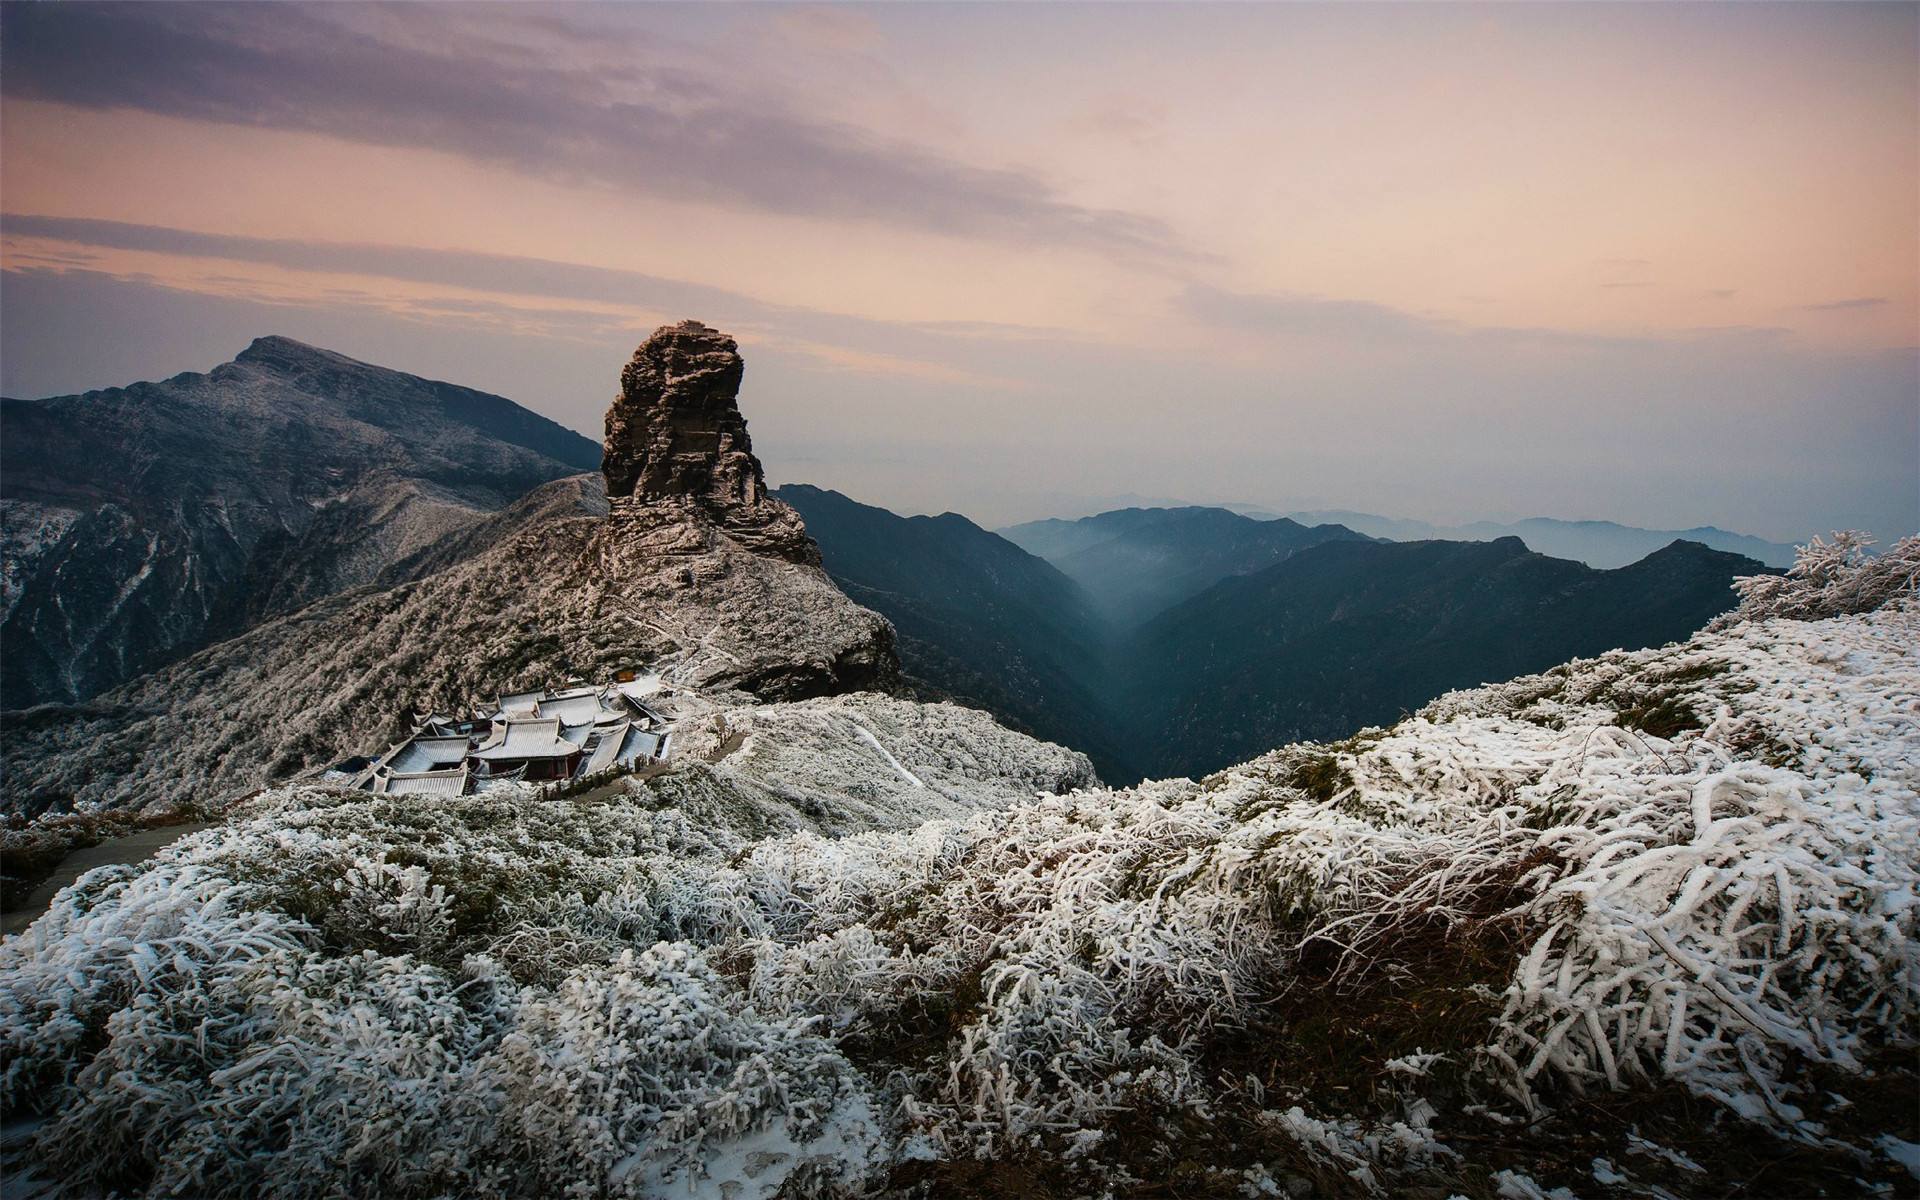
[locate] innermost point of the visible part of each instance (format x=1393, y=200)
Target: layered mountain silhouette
x=246, y=573
x=142, y=523
x=1353, y=634
x=1214, y=636
x=1135, y=562
x=1597, y=543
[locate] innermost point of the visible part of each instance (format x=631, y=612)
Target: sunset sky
x=1655, y=263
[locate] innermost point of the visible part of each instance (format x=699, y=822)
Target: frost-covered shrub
x=1829, y=579
x=119, y=934
x=446, y=880
x=402, y=904
x=642, y=1077
x=330, y=1077
x=1361, y=1151
x=1715, y=922
x=1714, y=918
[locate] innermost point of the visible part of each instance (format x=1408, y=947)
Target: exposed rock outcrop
x=691, y=525
x=677, y=445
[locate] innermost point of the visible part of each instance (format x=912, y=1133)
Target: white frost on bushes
x=1512, y=1185
x=1359, y=1150
x=846, y=764
x=1710, y=854
x=649, y=1074
x=1732, y=897
x=1829, y=579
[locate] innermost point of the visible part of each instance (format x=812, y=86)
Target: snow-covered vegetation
x=1830, y=579
x=847, y=764
x=1420, y=961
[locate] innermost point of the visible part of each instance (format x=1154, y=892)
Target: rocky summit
x=676, y=441
x=689, y=569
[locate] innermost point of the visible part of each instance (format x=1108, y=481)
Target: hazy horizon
x=1655, y=265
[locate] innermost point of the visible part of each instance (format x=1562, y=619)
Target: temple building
x=572, y=732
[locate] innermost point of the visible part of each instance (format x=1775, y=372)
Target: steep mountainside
x=569, y=585
x=978, y=618
x=1136, y=562
x=1602, y=544
x=1335, y=637
x=1353, y=634
x=140, y=523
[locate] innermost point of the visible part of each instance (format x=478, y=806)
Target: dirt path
x=618, y=786
x=732, y=742
x=135, y=847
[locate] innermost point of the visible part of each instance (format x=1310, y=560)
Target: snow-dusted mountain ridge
x=138, y=524
x=1644, y=924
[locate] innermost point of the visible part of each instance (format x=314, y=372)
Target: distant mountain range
x=373, y=536
x=1195, y=637
x=139, y=524
x=1135, y=562
x=1601, y=544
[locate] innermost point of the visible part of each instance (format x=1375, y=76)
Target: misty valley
x=1170, y=642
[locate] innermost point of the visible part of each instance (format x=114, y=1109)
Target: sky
x=1657, y=264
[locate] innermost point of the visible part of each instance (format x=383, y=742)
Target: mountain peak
x=281, y=352
x=676, y=439
x=275, y=342
x=1685, y=546
x=1689, y=551
x=675, y=429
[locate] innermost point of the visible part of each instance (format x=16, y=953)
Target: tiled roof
x=536, y=738
x=422, y=783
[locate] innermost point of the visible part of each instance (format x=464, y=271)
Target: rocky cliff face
x=721, y=595
x=138, y=524
x=677, y=447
